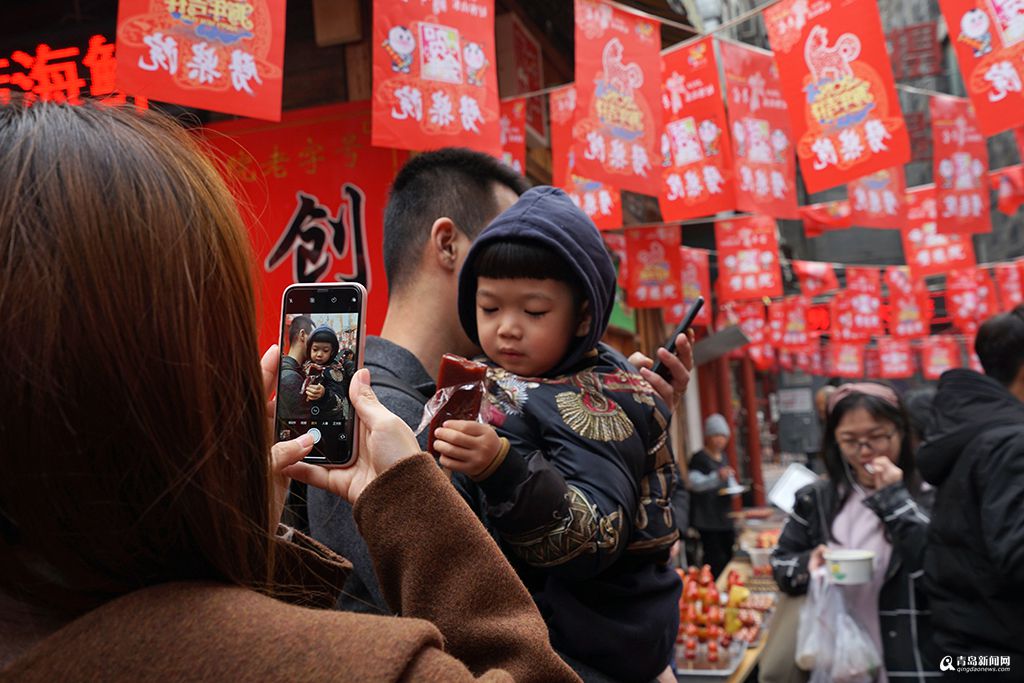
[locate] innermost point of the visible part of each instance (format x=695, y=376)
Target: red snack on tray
x=465, y=377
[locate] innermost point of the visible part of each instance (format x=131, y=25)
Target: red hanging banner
x=616, y=244
x=988, y=36
x=847, y=360
x=697, y=176
x=513, y=134
x=939, y=354
x=617, y=132
x=815, y=277
x=825, y=217
x=928, y=252
x=322, y=188
x=226, y=57
x=960, y=165
x=795, y=334
x=434, y=81
x=696, y=281
x=1011, y=284
x=838, y=83
x=601, y=203
x=1008, y=183
x=748, y=262
x=909, y=310
x=750, y=316
x=863, y=280
x=896, y=359
x=845, y=327
x=970, y=298
x=765, y=176
x=877, y=200
x=654, y=267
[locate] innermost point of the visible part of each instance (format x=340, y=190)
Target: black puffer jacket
x=902, y=604
x=974, y=565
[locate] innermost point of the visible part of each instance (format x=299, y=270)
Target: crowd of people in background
x=155, y=549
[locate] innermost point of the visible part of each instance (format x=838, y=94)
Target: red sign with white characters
x=696, y=279
x=960, y=166
x=697, y=176
x=878, y=200
x=748, y=261
x=927, y=251
x=765, y=170
x=939, y=354
x=434, y=80
x=909, y=312
x=654, y=267
x=815, y=277
x=989, y=40
x=1010, y=279
x=896, y=358
x=847, y=360
x=513, y=134
x=838, y=83
x=617, y=133
x=1008, y=183
x=970, y=298
x=750, y=316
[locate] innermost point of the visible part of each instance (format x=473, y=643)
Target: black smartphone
x=670, y=343
x=322, y=333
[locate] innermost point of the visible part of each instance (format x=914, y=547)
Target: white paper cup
x=850, y=567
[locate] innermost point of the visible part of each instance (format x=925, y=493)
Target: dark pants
x=717, y=548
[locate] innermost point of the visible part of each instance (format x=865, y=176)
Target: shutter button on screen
x=315, y=433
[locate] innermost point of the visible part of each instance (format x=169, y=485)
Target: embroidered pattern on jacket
x=590, y=413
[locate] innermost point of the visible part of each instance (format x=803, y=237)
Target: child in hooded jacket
x=321, y=348
x=575, y=463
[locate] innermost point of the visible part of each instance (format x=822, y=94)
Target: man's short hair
x=300, y=323
x=1000, y=345
x=454, y=182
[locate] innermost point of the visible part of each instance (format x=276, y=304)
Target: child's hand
x=315, y=392
x=469, y=447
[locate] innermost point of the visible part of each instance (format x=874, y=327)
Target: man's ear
x=586, y=318
x=444, y=238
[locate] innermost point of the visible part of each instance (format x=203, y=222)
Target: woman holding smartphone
x=140, y=496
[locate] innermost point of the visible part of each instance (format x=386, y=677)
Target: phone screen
x=321, y=335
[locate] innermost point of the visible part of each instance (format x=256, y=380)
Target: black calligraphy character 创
x=311, y=229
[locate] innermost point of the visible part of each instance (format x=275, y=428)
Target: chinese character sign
x=916, y=51
x=601, y=203
x=765, y=170
x=434, y=79
x=939, y=354
x=847, y=360
x=838, y=83
x=815, y=277
x=909, y=304
x=863, y=280
x=222, y=56
x=617, y=133
x=960, y=167
x=748, y=258
x=696, y=281
x=787, y=322
x=324, y=189
x=988, y=37
x=896, y=359
x=970, y=298
x=513, y=134
x=825, y=216
x=654, y=268
x=927, y=251
x=695, y=149
x=1010, y=279
x=877, y=199
x=1008, y=184
x=750, y=316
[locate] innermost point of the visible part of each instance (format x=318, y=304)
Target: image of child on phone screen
x=575, y=463
x=324, y=388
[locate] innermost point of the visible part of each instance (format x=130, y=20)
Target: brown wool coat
x=466, y=615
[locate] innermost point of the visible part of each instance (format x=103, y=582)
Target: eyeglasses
x=875, y=443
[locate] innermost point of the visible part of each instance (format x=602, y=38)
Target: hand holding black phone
x=670, y=344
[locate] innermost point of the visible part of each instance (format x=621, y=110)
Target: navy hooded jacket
x=582, y=501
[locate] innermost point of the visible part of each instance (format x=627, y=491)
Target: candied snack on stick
x=460, y=382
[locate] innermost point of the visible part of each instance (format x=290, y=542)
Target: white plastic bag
x=854, y=659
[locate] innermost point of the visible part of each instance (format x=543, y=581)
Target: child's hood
x=324, y=333
x=546, y=215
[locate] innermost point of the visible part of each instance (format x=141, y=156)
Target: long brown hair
x=133, y=442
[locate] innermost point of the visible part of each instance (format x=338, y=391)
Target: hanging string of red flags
x=617, y=130
x=1010, y=281
x=877, y=199
x=987, y=36
x=838, y=83
x=228, y=59
x=696, y=281
x=815, y=277
x=825, y=216
x=748, y=262
x=896, y=358
x=654, y=267
x=960, y=164
x=909, y=304
x=970, y=298
x=787, y=321
x=750, y=316
x=513, y=134
x=697, y=176
x=847, y=360
x=762, y=148
x=926, y=250
x=1008, y=184
x=939, y=354
x=434, y=79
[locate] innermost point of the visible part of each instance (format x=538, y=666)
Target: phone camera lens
x=353, y=299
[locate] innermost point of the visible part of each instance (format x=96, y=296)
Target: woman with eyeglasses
x=872, y=500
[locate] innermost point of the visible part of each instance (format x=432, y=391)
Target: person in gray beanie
x=709, y=510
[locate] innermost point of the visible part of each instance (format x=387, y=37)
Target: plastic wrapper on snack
x=460, y=390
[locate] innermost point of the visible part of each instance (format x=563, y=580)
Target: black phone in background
x=670, y=344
